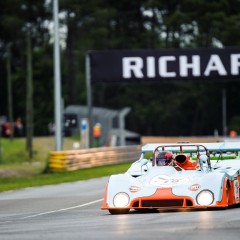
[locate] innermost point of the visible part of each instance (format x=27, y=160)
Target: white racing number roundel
x=166, y=181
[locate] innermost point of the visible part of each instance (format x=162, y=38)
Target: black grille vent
x=163, y=203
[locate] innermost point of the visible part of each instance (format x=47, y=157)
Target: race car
x=181, y=175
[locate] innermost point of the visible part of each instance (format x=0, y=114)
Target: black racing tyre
x=118, y=211
x=146, y=210
x=227, y=194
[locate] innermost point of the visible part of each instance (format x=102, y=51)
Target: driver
x=164, y=158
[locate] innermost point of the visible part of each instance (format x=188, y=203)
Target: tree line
x=180, y=108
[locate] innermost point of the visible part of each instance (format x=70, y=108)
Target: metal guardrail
x=86, y=158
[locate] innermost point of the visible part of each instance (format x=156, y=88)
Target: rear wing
x=218, y=147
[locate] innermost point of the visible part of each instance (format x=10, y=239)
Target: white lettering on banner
x=163, y=66
x=184, y=66
x=215, y=64
x=151, y=72
x=235, y=64
x=133, y=67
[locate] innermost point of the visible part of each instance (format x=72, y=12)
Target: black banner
x=165, y=65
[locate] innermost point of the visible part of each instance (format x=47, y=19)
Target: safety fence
x=86, y=158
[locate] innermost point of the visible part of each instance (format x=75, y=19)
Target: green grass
x=12, y=151
x=17, y=171
x=10, y=183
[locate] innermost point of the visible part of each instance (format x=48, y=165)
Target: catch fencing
x=71, y=160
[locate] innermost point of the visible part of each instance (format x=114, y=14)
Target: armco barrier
x=86, y=158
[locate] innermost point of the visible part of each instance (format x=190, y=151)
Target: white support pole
x=89, y=99
x=57, y=81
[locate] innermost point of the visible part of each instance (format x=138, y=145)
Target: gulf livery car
x=182, y=175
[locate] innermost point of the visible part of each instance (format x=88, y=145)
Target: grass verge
x=17, y=171
x=11, y=183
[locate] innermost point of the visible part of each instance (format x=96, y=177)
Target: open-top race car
x=182, y=175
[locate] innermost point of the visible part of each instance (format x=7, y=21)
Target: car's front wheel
x=118, y=211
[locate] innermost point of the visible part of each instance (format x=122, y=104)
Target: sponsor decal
x=134, y=189
x=194, y=187
x=166, y=181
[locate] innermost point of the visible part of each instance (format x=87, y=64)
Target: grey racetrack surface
x=72, y=211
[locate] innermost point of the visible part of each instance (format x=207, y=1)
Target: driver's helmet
x=164, y=158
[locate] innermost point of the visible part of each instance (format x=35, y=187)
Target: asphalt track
x=72, y=211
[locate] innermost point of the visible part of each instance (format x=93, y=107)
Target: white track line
x=63, y=209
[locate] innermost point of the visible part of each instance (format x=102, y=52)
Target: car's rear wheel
x=228, y=193
x=118, y=211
